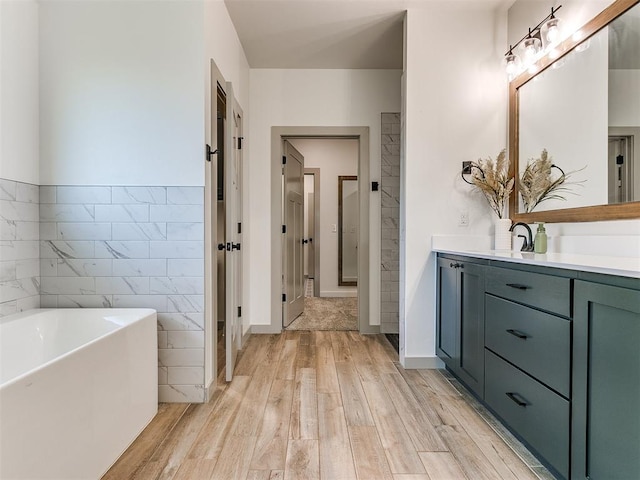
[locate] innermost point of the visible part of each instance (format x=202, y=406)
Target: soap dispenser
x=540, y=242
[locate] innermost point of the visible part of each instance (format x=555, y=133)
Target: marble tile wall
x=390, y=212
x=103, y=246
x=19, y=253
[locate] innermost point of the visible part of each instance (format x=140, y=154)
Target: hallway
x=328, y=405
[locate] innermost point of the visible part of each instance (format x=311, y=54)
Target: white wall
x=623, y=112
x=455, y=110
x=121, y=95
x=333, y=157
x=312, y=98
x=19, y=91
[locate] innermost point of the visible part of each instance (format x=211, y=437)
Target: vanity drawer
x=537, y=342
x=537, y=414
x=546, y=292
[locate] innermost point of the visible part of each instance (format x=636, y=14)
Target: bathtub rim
x=144, y=314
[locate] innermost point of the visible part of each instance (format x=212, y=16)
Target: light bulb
x=552, y=28
x=531, y=48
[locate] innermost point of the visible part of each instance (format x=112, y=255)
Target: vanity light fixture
x=532, y=45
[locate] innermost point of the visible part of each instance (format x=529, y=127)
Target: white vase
x=502, y=235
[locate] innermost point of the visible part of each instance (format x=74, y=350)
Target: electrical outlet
x=464, y=218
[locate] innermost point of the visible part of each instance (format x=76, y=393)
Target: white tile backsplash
x=83, y=195
x=148, y=195
x=19, y=252
x=139, y=231
x=122, y=249
x=139, y=268
x=122, y=213
x=84, y=231
x=67, y=213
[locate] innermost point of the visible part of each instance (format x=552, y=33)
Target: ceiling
x=349, y=34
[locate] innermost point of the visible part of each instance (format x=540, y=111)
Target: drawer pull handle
x=456, y=265
x=518, y=334
x=518, y=286
x=516, y=400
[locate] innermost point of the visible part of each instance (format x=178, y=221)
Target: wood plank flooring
x=327, y=405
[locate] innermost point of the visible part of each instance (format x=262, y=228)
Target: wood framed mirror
x=573, y=106
x=348, y=230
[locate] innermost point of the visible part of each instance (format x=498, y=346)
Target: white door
x=293, y=268
x=232, y=194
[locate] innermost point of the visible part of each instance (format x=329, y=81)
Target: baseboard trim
x=245, y=337
x=265, y=329
x=209, y=390
x=370, y=329
x=429, y=363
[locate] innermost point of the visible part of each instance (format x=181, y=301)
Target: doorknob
x=235, y=246
x=305, y=241
x=221, y=246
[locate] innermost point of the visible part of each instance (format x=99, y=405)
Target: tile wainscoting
x=19, y=256
x=111, y=246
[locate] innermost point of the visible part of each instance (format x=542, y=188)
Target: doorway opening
x=360, y=135
x=327, y=301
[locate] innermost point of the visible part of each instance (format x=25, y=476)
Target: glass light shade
x=512, y=64
x=552, y=31
x=532, y=46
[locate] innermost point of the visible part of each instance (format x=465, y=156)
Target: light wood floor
x=326, y=405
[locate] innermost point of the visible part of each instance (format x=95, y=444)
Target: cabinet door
x=471, y=337
x=606, y=383
x=447, y=316
x=460, y=327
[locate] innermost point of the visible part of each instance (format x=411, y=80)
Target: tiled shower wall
x=19, y=235
x=390, y=211
x=132, y=247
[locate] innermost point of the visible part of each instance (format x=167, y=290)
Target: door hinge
x=239, y=311
x=239, y=227
x=284, y=159
x=284, y=229
x=240, y=139
x=284, y=297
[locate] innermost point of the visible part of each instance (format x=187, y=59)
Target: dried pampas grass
x=536, y=185
x=492, y=179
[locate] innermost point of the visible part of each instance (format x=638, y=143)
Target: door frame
x=278, y=134
x=316, y=227
x=210, y=238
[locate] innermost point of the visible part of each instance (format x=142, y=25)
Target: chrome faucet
x=527, y=245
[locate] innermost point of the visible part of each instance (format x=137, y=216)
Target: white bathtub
x=77, y=386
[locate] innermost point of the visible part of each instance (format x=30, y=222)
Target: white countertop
x=621, y=266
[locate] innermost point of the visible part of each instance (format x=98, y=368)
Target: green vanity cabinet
x=606, y=382
x=554, y=353
x=460, y=324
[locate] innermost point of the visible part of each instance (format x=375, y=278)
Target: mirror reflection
x=584, y=110
x=347, y=230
